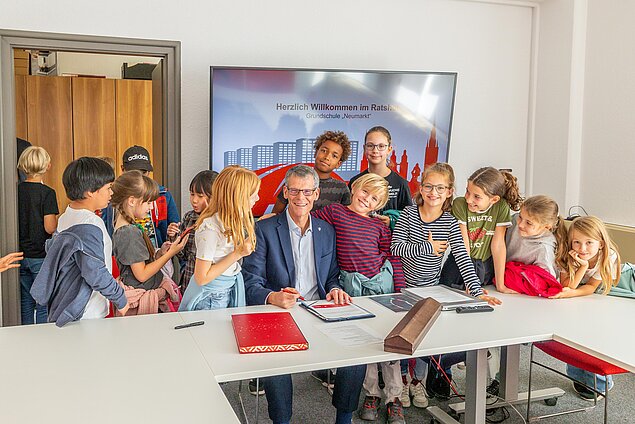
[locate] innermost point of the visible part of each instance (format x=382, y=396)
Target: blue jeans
x=279, y=392
x=215, y=300
x=586, y=377
x=29, y=268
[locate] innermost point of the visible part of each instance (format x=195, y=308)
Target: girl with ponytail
x=139, y=265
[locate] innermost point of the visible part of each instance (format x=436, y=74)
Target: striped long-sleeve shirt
x=421, y=267
x=363, y=243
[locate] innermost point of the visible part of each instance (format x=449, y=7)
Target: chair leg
x=257, y=398
x=531, y=363
x=606, y=401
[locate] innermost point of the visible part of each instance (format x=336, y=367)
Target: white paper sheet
x=349, y=333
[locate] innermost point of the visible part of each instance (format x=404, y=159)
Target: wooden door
x=50, y=125
x=134, y=116
x=159, y=144
x=20, y=108
x=94, y=125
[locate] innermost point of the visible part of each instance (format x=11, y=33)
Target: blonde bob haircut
x=34, y=161
x=373, y=184
x=230, y=201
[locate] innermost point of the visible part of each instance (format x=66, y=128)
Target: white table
x=195, y=360
x=119, y=370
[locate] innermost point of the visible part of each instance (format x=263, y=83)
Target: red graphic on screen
x=272, y=177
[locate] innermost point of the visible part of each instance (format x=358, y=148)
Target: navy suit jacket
x=270, y=267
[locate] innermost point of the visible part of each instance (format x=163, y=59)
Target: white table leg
x=475, y=383
x=510, y=362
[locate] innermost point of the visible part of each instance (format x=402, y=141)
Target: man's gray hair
x=302, y=171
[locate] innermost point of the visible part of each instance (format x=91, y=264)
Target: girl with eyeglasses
x=422, y=234
x=378, y=148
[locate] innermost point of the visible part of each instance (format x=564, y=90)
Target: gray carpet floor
x=312, y=403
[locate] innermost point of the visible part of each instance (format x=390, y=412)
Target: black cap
x=136, y=157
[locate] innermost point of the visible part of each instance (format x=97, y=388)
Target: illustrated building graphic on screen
x=283, y=153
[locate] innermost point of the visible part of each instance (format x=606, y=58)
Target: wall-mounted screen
x=267, y=119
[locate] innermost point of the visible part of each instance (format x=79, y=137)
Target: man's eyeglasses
x=379, y=147
x=295, y=191
x=438, y=188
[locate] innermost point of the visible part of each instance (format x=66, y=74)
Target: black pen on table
x=189, y=324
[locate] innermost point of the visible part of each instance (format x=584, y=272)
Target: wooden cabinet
x=94, y=124
x=134, y=116
x=73, y=117
x=20, y=107
x=50, y=125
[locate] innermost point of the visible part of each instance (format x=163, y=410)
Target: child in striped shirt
x=367, y=267
x=421, y=236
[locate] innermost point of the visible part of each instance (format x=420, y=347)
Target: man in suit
x=297, y=253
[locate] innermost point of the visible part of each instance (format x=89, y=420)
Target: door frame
x=169, y=51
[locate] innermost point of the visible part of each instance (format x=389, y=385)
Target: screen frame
x=369, y=71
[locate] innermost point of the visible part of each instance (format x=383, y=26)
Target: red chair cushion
x=578, y=359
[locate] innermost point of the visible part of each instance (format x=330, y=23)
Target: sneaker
x=326, y=377
x=394, y=412
x=252, y=388
x=419, y=398
x=493, y=389
x=405, y=394
x=369, y=409
x=585, y=393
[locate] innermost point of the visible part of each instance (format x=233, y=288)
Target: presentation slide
x=267, y=119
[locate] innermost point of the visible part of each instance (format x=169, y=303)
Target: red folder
x=267, y=332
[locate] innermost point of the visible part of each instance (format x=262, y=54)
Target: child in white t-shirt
x=224, y=235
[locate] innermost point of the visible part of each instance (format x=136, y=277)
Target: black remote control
x=470, y=309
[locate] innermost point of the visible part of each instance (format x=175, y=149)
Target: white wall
x=488, y=44
x=97, y=64
x=553, y=100
x=608, y=150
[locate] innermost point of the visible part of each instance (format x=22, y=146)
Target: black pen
x=190, y=324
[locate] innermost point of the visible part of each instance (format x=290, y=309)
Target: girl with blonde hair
x=589, y=263
x=224, y=235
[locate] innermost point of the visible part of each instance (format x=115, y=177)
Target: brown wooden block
x=409, y=332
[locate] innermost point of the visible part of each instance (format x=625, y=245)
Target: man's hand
x=283, y=299
x=338, y=296
x=9, y=260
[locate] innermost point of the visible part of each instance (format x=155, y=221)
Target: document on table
x=329, y=311
x=350, y=333
x=448, y=297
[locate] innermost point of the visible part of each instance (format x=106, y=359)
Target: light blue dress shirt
x=303, y=259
